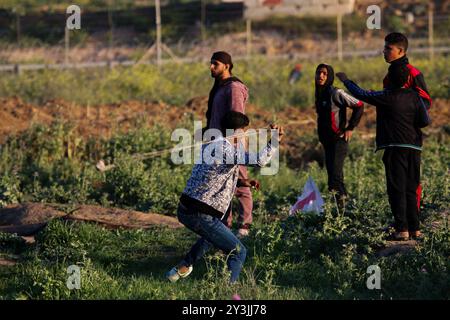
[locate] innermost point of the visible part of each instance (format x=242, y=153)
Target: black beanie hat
x=235, y=120
x=223, y=57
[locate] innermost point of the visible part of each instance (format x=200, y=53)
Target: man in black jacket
x=401, y=139
x=394, y=52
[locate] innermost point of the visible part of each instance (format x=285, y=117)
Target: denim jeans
x=213, y=232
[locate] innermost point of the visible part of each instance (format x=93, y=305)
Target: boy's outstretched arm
x=264, y=157
x=376, y=98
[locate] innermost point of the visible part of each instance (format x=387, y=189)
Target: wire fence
x=19, y=68
x=190, y=30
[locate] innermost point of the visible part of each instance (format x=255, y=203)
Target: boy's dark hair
x=398, y=39
x=235, y=120
x=398, y=76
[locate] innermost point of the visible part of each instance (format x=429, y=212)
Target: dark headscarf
x=223, y=57
x=324, y=92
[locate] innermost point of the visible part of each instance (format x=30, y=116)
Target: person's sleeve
x=385, y=81
x=421, y=87
x=376, y=98
x=355, y=118
x=356, y=105
x=238, y=98
x=347, y=100
x=260, y=159
x=233, y=155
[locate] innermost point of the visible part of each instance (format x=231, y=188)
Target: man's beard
x=216, y=75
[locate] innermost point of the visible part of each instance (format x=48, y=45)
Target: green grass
x=176, y=83
x=302, y=257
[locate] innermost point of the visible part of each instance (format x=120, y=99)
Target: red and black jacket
x=416, y=81
x=331, y=108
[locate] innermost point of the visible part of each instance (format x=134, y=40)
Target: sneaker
x=242, y=233
x=399, y=236
x=416, y=235
x=178, y=272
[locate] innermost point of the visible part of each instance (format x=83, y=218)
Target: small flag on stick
x=309, y=200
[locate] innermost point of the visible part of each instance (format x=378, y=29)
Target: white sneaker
x=174, y=274
x=242, y=233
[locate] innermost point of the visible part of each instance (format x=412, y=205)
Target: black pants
x=335, y=153
x=402, y=166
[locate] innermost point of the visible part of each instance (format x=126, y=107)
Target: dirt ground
x=26, y=219
x=104, y=120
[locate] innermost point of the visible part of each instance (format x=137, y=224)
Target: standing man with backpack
x=395, y=48
x=399, y=135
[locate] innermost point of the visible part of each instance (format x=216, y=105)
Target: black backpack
x=422, y=116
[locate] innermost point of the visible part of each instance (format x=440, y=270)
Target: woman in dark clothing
x=333, y=130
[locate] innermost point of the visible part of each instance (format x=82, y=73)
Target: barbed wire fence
x=189, y=32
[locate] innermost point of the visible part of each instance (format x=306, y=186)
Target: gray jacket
x=213, y=181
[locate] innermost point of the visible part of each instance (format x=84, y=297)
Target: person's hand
x=254, y=184
x=248, y=183
x=347, y=135
x=279, y=129
x=341, y=76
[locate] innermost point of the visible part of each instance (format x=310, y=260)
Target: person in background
x=230, y=94
x=296, y=74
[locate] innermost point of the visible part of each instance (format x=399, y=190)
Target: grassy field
x=176, y=83
x=302, y=257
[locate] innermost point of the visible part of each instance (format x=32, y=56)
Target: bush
x=9, y=189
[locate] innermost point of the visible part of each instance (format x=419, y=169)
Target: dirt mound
x=100, y=120
x=105, y=120
x=29, y=218
x=397, y=247
x=114, y=217
x=88, y=121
